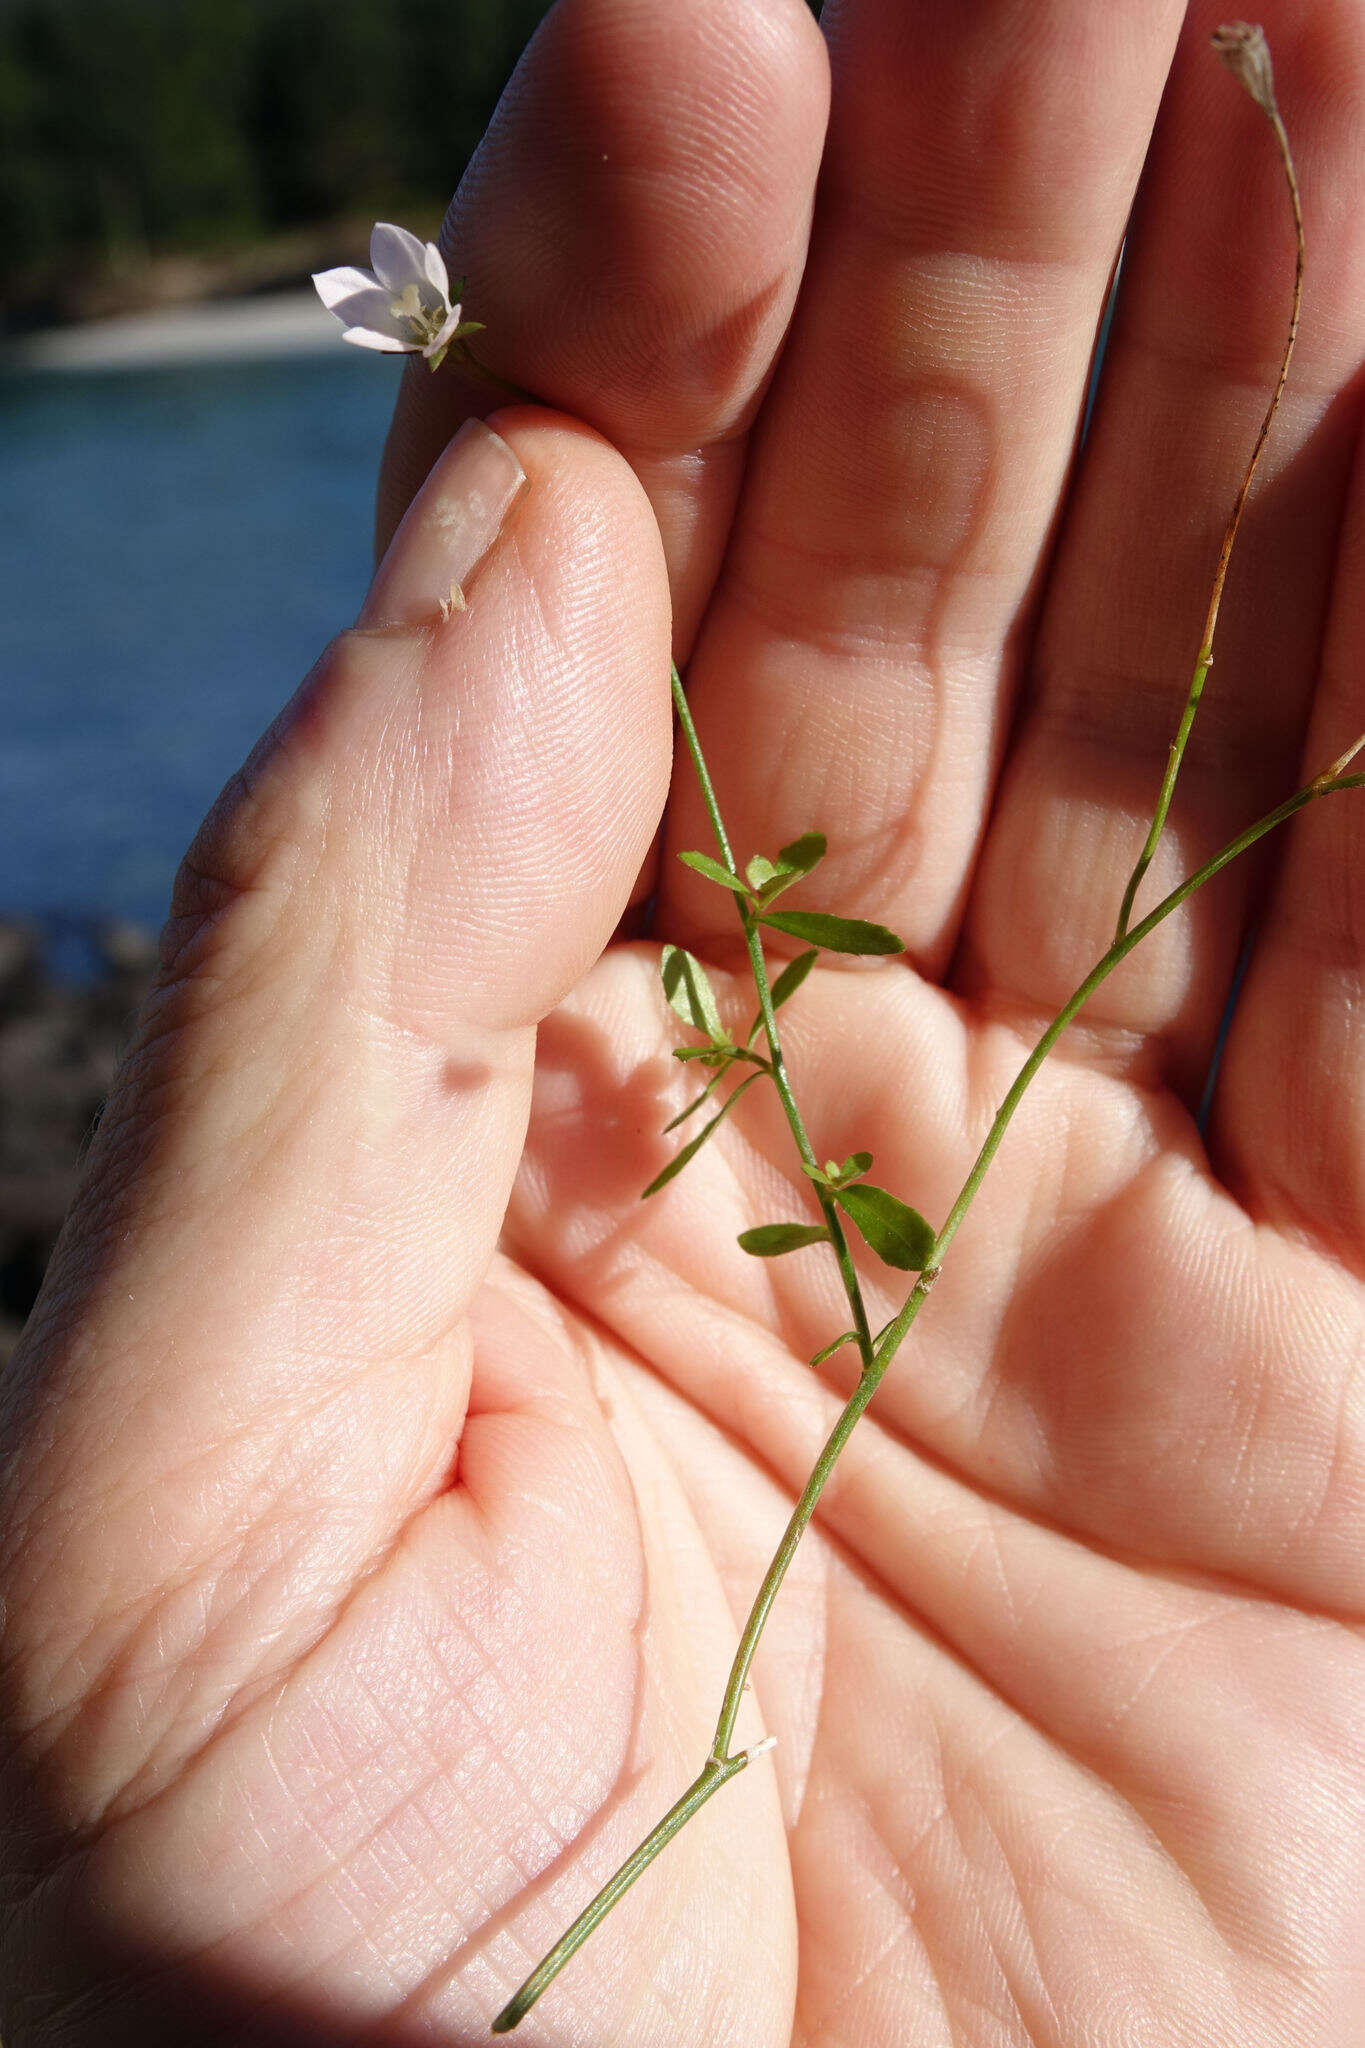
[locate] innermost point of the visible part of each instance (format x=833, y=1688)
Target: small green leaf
x=786, y=985
x=799, y=856
x=709, y=1055
x=855, y=1166
x=690, y=993
x=694, y=1145
x=770, y=1240
x=759, y=871
x=713, y=871
x=795, y=860
x=896, y=1233
x=792, y=976
x=819, y=1174
x=697, y=1100
x=849, y=1337
x=835, y=934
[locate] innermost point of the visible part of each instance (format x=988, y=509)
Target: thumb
x=253, y=1329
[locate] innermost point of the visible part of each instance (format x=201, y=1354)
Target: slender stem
x=709, y=1780
x=720, y=1766
x=759, y=968
x=1326, y=784
x=1204, y=660
x=466, y=355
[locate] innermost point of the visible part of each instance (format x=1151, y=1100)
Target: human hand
x=369, y=1593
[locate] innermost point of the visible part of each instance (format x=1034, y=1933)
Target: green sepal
x=703, y=864
x=834, y=934
x=694, y=1145
x=771, y=1240
x=690, y=993
x=709, y=1055
x=898, y=1234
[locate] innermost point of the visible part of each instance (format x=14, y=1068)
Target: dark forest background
x=133, y=130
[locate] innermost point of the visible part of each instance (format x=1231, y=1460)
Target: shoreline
x=231, y=330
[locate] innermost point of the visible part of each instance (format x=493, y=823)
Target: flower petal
x=373, y=308
x=334, y=285
x=399, y=259
x=365, y=337
x=442, y=340
x=437, y=272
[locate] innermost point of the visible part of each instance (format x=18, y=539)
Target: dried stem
x=1245, y=52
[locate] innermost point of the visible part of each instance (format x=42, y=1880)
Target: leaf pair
x=694, y=1145
x=764, y=881
x=898, y=1234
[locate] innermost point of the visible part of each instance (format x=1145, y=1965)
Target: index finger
x=633, y=230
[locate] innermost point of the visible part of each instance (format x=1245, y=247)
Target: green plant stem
x=720, y=1766
x=465, y=354
x=759, y=968
x=1204, y=660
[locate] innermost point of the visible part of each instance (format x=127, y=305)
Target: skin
x=368, y=1588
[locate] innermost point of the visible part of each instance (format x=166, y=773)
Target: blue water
x=175, y=547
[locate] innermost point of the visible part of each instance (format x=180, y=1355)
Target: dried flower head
x=1244, y=49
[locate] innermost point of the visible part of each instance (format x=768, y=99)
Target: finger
x=905, y=473
x=1193, y=359
x=1289, y=1114
x=250, y=1362
x=632, y=231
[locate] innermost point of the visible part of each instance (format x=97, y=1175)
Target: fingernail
x=449, y=528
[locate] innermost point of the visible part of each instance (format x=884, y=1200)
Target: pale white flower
x=402, y=305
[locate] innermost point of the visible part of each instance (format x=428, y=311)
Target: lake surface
x=177, y=545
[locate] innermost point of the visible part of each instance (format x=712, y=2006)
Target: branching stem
x=1251, y=61
x=720, y=1765
x=759, y=968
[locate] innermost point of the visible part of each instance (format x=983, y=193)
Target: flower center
x=425, y=321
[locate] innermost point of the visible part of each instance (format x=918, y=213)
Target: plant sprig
x=899, y=1236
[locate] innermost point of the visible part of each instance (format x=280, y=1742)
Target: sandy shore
x=292, y=323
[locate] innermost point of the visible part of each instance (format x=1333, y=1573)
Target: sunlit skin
x=369, y=1590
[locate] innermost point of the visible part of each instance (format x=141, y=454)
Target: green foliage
x=134, y=127
x=897, y=1234
x=694, y=1145
x=792, y=976
x=835, y=934
x=771, y=1240
x=689, y=992
x=703, y=864
x=828, y=1350
x=832, y=1175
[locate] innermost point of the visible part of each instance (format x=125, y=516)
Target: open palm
x=368, y=1590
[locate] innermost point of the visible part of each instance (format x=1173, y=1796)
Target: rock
x=60, y=1043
